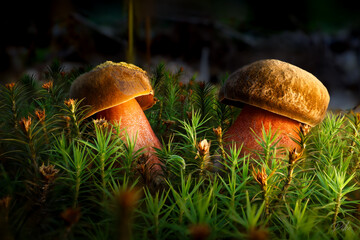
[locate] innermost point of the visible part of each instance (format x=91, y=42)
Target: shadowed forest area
x=206, y=38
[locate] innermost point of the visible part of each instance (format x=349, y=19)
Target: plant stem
x=13, y=109
x=156, y=222
x=289, y=180
x=102, y=172
x=267, y=203
x=181, y=213
x=33, y=154
x=45, y=133
x=160, y=111
x=77, y=188
x=77, y=130
x=336, y=210
x=205, y=163
x=221, y=146
x=202, y=165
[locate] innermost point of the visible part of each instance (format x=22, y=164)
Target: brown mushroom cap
x=110, y=84
x=278, y=87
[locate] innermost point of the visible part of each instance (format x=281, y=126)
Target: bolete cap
x=278, y=87
x=110, y=84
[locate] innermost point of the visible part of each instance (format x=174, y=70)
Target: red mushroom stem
x=255, y=118
x=133, y=120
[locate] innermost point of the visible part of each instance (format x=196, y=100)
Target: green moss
x=66, y=177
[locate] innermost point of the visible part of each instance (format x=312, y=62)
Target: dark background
x=206, y=38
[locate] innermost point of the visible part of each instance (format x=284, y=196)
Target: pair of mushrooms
x=271, y=93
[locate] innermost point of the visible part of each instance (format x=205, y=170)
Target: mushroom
x=119, y=92
x=273, y=94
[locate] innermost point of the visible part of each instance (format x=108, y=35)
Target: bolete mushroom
x=119, y=92
x=273, y=94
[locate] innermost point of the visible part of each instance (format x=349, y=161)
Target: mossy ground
x=66, y=177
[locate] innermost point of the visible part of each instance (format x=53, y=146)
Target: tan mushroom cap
x=278, y=87
x=110, y=84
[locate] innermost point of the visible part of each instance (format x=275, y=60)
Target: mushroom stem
x=133, y=120
x=255, y=118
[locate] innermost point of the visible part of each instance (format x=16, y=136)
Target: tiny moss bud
x=48, y=86
x=10, y=86
x=25, y=124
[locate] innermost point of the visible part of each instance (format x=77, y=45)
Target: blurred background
x=207, y=38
